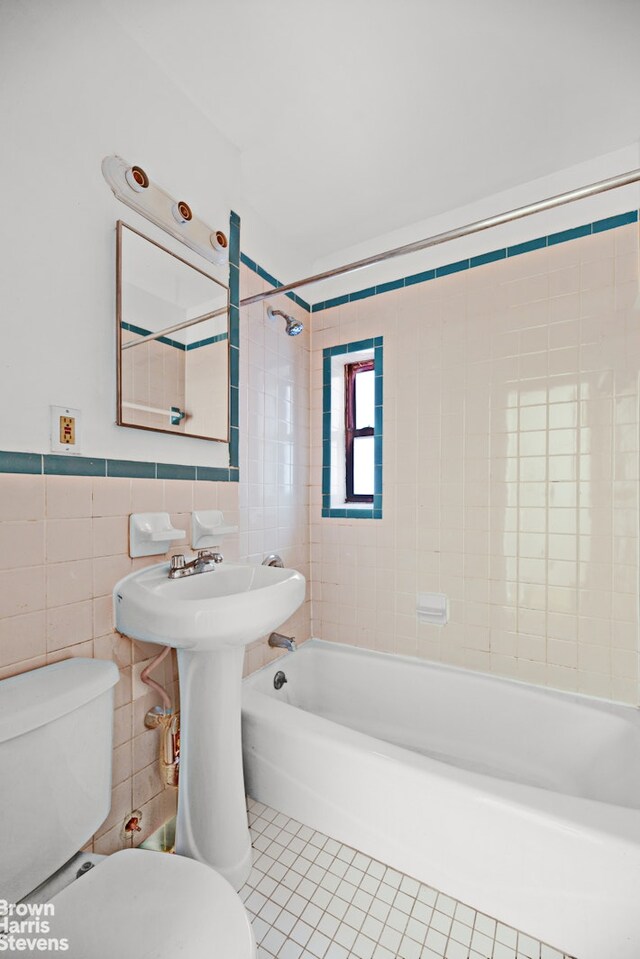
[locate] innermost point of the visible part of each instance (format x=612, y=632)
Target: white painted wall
x=74, y=88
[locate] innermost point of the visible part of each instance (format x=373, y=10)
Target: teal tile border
x=351, y=512
x=60, y=465
x=527, y=247
x=185, y=347
x=50, y=464
x=261, y=272
x=131, y=469
x=552, y=239
x=612, y=222
x=212, y=474
x=20, y=462
x=574, y=234
x=175, y=471
x=218, y=338
x=234, y=343
x=140, y=331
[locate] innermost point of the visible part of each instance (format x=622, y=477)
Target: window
x=352, y=430
x=359, y=408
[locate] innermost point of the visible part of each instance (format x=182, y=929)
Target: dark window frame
x=351, y=371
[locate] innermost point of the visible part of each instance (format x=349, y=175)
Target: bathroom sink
x=209, y=618
x=232, y=605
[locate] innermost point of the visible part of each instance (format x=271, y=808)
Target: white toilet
x=56, y=730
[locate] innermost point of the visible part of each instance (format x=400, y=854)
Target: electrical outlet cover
x=66, y=434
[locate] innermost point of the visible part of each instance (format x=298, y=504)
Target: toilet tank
x=56, y=733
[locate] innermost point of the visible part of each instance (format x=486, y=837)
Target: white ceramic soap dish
x=208, y=529
x=151, y=534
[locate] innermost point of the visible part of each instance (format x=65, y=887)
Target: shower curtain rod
x=183, y=325
x=602, y=186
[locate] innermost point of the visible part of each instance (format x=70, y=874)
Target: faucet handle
x=208, y=554
x=177, y=562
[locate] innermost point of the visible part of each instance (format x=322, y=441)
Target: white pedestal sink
x=209, y=618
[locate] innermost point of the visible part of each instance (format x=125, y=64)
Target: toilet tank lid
x=42, y=695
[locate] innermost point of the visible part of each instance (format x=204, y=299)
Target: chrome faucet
x=278, y=641
x=204, y=562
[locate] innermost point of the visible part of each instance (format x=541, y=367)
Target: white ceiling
x=357, y=117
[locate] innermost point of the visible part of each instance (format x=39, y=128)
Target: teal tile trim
x=20, y=462
x=356, y=346
x=488, y=257
x=256, y=268
x=452, y=268
x=73, y=465
x=140, y=331
x=598, y=226
x=131, y=469
x=419, y=277
x=234, y=239
x=362, y=294
x=328, y=304
x=566, y=235
x=527, y=247
x=185, y=347
x=52, y=464
x=38, y=463
x=175, y=471
x=234, y=405
x=351, y=512
x=612, y=222
x=234, y=343
x=234, y=445
x=215, y=474
x=387, y=287
x=234, y=364
x=218, y=338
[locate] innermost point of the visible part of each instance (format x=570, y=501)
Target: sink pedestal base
x=212, y=821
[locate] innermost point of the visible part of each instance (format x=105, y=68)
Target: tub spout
x=278, y=641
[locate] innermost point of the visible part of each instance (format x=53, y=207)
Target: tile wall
x=64, y=544
x=153, y=376
x=510, y=477
x=510, y=483
x=274, y=446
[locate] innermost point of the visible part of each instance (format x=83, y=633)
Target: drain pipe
x=164, y=718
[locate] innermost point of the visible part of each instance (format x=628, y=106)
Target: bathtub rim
x=621, y=823
x=624, y=710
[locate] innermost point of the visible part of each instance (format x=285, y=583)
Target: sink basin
x=231, y=605
x=209, y=618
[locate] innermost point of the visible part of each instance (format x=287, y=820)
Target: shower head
x=293, y=326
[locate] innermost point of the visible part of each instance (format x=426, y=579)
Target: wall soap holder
x=433, y=608
x=151, y=534
x=208, y=529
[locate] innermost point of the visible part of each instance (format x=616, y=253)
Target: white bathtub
x=522, y=802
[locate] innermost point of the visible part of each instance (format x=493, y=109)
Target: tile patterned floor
x=310, y=897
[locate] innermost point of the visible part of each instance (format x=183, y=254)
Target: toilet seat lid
x=138, y=904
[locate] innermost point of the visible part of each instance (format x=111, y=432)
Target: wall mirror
x=176, y=382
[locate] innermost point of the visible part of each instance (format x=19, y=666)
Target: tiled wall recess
x=510, y=467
